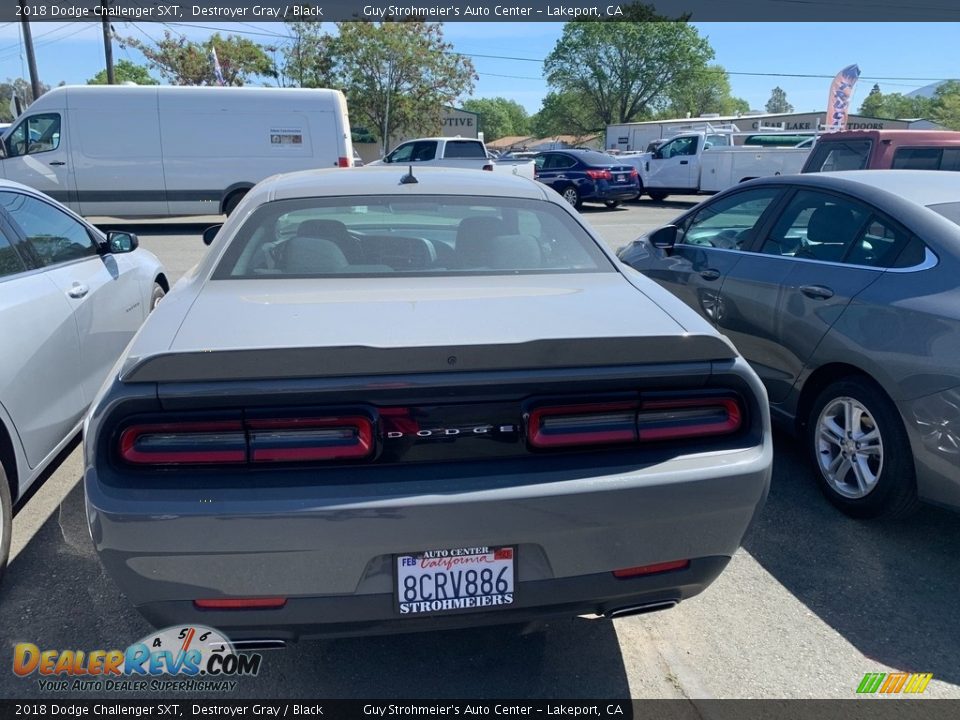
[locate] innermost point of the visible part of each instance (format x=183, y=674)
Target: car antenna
x=409, y=179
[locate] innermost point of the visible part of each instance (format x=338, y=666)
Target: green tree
x=308, y=60
x=19, y=87
x=778, y=101
x=625, y=71
x=125, y=71
x=398, y=75
x=183, y=62
x=946, y=110
x=896, y=105
x=499, y=117
x=706, y=91
x=873, y=104
x=565, y=113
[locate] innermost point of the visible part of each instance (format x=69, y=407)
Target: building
x=636, y=136
x=454, y=122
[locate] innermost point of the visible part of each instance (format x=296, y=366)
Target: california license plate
x=621, y=178
x=473, y=578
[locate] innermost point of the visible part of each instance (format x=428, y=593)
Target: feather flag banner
x=841, y=91
x=217, y=70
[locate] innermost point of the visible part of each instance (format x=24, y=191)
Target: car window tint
x=680, y=146
x=842, y=155
x=729, y=222
x=916, y=159
x=879, y=245
x=427, y=235
x=464, y=149
x=950, y=159
x=10, y=261
x=52, y=234
x=36, y=134
x=816, y=226
x=402, y=153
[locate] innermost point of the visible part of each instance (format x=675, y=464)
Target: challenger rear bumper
x=330, y=549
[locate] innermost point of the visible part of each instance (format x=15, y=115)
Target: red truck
x=885, y=149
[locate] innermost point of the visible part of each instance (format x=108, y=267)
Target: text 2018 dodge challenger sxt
x=387, y=402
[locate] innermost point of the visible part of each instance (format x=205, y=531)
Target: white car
x=71, y=298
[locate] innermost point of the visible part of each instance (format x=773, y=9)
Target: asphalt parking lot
x=811, y=603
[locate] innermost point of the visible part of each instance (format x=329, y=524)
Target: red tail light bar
x=262, y=440
x=263, y=603
x=599, y=174
x=633, y=421
x=344, y=162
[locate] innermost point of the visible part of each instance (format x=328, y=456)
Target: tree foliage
x=624, y=71
x=499, y=117
x=564, y=113
x=19, y=87
x=946, y=109
x=183, y=62
x=778, y=101
x=398, y=75
x=704, y=92
x=125, y=71
x=308, y=61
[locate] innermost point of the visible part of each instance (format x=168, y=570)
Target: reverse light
x=184, y=443
x=651, y=569
x=583, y=424
x=307, y=439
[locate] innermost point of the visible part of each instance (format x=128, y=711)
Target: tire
x=156, y=296
x=611, y=204
x=881, y=481
x=572, y=196
x=230, y=204
x=6, y=520
x=657, y=196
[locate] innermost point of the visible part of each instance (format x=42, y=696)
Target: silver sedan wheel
x=849, y=447
x=571, y=196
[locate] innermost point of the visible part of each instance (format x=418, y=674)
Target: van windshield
x=830, y=156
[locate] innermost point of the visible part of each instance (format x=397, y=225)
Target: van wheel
x=572, y=196
x=157, y=296
x=6, y=520
x=230, y=204
x=860, y=451
x=657, y=196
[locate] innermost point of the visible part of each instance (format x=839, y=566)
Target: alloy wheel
x=849, y=447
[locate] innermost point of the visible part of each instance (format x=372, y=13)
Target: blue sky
x=904, y=56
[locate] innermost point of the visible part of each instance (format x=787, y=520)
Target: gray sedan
x=841, y=290
x=70, y=300
x=387, y=402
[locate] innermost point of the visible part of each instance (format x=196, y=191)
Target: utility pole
x=107, y=44
x=31, y=59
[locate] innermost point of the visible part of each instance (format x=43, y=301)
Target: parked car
x=456, y=152
x=884, y=150
x=841, y=290
x=70, y=300
x=581, y=176
x=442, y=404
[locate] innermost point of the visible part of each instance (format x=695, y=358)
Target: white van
x=155, y=151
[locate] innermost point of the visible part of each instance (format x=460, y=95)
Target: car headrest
x=306, y=255
x=322, y=228
x=831, y=224
x=502, y=252
x=472, y=233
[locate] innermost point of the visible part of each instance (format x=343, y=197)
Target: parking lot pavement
x=811, y=603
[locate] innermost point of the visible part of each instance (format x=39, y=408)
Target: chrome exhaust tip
x=640, y=609
x=247, y=645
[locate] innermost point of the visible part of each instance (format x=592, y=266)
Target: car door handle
x=78, y=290
x=710, y=274
x=817, y=292
x=58, y=162
x=684, y=162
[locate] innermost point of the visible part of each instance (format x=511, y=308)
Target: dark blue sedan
x=588, y=176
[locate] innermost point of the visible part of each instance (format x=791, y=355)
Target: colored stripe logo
x=894, y=683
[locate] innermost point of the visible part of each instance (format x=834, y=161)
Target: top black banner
x=171, y=11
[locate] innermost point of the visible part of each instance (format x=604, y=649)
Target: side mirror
x=121, y=242
x=658, y=154
x=210, y=233
x=3, y=149
x=664, y=238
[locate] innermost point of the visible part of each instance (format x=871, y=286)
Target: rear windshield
x=590, y=157
x=951, y=211
x=425, y=235
x=830, y=156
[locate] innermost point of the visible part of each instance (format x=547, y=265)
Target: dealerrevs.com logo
x=185, y=658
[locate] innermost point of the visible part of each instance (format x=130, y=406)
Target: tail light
x=343, y=162
x=644, y=419
x=600, y=174
x=256, y=441
x=263, y=603
x=634, y=173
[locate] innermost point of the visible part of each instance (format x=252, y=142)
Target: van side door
x=37, y=155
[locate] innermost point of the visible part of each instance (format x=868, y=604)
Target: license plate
x=438, y=581
x=621, y=178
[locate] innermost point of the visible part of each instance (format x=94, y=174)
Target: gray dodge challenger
x=395, y=400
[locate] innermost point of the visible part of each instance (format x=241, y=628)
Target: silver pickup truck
x=455, y=153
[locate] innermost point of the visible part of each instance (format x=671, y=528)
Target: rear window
x=951, y=211
x=830, y=156
x=907, y=158
x=422, y=236
x=464, y=149
x=597, y=158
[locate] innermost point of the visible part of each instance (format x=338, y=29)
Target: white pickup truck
x=690, y=163
x=455, y=153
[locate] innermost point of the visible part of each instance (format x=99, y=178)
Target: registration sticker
x=472, y=578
